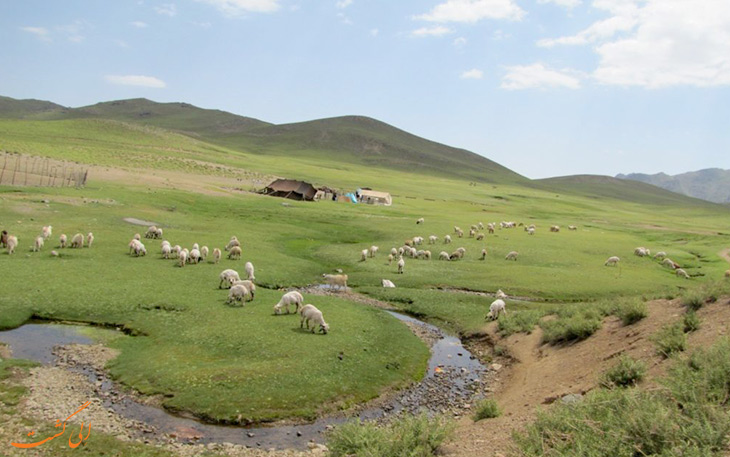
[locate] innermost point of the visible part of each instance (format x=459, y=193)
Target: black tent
x=290, y=188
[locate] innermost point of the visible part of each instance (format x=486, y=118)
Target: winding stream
x=452, y=379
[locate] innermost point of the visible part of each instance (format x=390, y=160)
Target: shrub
x=632, y=312
x=519, y=321
x=626, y=372
x=693, y=300
x=670, y=339
x=575, y=328
x=409, y=436
x=486, y=409
x=691, y=322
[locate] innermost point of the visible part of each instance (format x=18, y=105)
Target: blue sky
x=544, y=87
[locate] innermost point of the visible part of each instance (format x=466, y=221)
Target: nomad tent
x=374, y=197
x=290, y=188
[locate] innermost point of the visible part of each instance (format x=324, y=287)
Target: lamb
x=194, y=256
x=77, y=241
x=484, y=254
x=443, y=255
x=289, y=298
x=401, y=265
x=511, y=256
x=372, y=251
x=216, y=255
x=497, y=306
x=419, y=221
x=203, y=252
x=310, y=313
x=47, y=232
x=238, y=293
x=234, y=253
x=432, y=239
x=249, y=271
x=500, y=294
x=390, y=258
x=480, y=237
x=363, y=255
x=612, y=261
x=11, y=243
x=4, y=239
x=249, y=285
x=388, y=283
x=38, y=244
x=682, y=273
x=89, y=239
x=63, y=239
x=336, y=280
x=228, y=277
x=233, y=243
x=447, y=239
x=183, y=259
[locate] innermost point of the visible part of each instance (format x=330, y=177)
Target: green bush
x=409, y=436
x=693, y=300
x=519, y=322
x=691, y=322
x=575, y=328
x=626, y=372
x=486, y=409
x=670, y=339
x=632, y=311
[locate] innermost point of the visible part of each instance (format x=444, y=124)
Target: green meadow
x=243, y=364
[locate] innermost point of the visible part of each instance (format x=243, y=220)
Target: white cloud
x=437, y=30
x=460, y=42
x=537, y=76
x=41, y=33
x=167, y=9
x=471, y=11
x=374, y=32
x=136, y=80
x=564, y=3
x=139, y=24
x=472, y=74
x=73, y=31
x=342, y=4
x=659, y=43
x=233, y=8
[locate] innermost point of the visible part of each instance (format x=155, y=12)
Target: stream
x=453, y=379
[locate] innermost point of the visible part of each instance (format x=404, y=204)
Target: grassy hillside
x=712, y=184
x=11, y=108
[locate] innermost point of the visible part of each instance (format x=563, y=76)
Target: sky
x=544, y=87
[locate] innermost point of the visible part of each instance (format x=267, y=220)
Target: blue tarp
x=351, y=196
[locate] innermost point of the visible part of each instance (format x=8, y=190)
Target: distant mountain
x=712, y=184
x=11, y=108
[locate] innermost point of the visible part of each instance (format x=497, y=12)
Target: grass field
x=243, y=364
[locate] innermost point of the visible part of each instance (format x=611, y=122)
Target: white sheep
x=642, y=252
x=183, y=258
x=447, y=239
x=417, y=240
x=682, y=273
x=234, y=253
x=669, y=263
x=530, y=231
x=249, y=285
x=194, y=256
x=204, y=253
x=38, y=244
x=393, y=252
x=336, y=280
x=390, y=258
x=137, y=237
x=151, y=232
x=77, y=241
x=432, y=239
x=401, y=265
x=228, y=277
x=572, y=227
x=457, y=229
x=372, y=251
x=363, y=255
x=480, y=226
x=289, y=298
x=612, y=261
x=238, y=293
x=660, y=255
x=47, y=232
x=12, y=243
x=166, y=251
x=460, y=234
x=419, y=221
x=89, y=239
x=484, y=254
x=480, y=237
x=554, y=228
x=427, y=255
x=195, y=246
x=443, y=255
x=249, y=271
x=498, y=306
x=176, y=250
x=233, y=243
x=63, y=239
x=312, y=314
x=133, y=245
x=472, y=233
x=500, y=294
x=456, y=255
x=216, y=255
x=388, y=283
x=512, y=256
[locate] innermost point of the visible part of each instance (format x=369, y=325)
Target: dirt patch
x=135, y=221
x=537, y=374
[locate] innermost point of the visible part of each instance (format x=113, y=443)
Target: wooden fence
x=22, y=170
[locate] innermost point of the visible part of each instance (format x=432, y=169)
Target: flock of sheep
x=10, y=242
x=660, y=256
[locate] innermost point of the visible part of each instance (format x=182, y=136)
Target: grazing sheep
x=195, y=246
x=289, y=298
x=151, y=232
x=139, y=249
x=401, y=251
x=500, y=294
x=158, y=234
x=137, y=237
x=472, y=233
x=231, y=244
x=132, y=245
x=363, y=255
x=393, y=252
x=530, y=231
x=572, y=227
x=249, y=285
x=456, y=255
x=204, y=253
x=668, y=263
x=427, y=255
x=447, y=239
x=460, y=234
x=401, y=265
x=216, y=255
x=238, y=293
x=498, y=306
x=612, y=261
x=4, y=239
x=443, y=255
x=183, y=259
x=38, y=244
x=642, y=252
x=47, y=232
x=372, y=251
x=555, y=228
x=176, y=250
x=187, y=254
x=77, y=241
x=166, y=251
x=89, y=239
x=682, y=273
x=311, y=313
x=419, y=221
x=388, y=283
x=234, y=253
x=336, y=280
x=474, y=227
x=660, y=255
x=432, y=239
x=480, y=226
x=511, y=256
x=228, y=277
x=194, y=256
x=484, y=254
x=417, y=240
x=390, y=258
x=490, y=228
x=480, y=237
x=11, y=243
x=63, y=239
x=457, y=229
x=249, y=271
